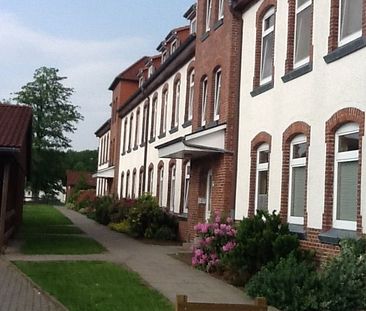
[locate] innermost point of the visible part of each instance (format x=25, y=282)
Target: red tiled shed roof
x=73, y=177
x=14, y=125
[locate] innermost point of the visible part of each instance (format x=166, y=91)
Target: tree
x=54, y=116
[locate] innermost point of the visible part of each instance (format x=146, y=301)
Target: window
x=133, y=192
x=124, y=136
x=303, y=32
x=173, y=46
x=187, y=177
x=204, y=101
x=122, y=184
x=194, y=25
x=141, y=81
x=173, y=173
x=297, y=184
x=144, y=125
x=190, y=95
x=153, y=117
x=164, y=56
x=164, y=107
x=175, y=112
x=208, y=14
x=130, y=133
x=141, y=181
x=127, y=185
x=161, y=185
x=150, y=71
x=221, y=10
x=268, y=23
x=217, y=100
x=346, y=176
x=137, y=127
x=150, y=184
x=262, y=177
x=350, y=20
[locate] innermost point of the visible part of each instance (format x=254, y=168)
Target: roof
x=73, y=177
x=170, y=34
x=190, y=12
x=15, y=121
x=103, y=129
x=130, y=73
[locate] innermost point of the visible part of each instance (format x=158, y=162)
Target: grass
x=46, y=231
x=95, y=286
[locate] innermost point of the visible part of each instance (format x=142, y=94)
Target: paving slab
x=18, y=293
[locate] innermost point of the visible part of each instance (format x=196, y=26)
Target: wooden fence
x=184, y=305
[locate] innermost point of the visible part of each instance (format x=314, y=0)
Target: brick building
x=242, y=110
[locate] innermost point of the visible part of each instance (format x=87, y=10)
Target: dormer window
x=150, y=71
x=164, y=56
x=141, y=81
x=173, y=47
x=221, y=10
x=193, y=25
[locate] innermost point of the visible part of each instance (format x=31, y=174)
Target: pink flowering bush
x=215, y=241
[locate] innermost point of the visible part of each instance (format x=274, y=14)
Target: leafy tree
x=54, y=116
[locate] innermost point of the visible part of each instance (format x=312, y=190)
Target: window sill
x=182, y=216
x=261, y=89
x=152, y=139
x=218, y=24
x=345, y=50
x=205, y=36
x=212, y=124
x=162, y=135
x=298, y=230
x=173, y=130
x=298, y=72
x=334, y=236
x=187, y=123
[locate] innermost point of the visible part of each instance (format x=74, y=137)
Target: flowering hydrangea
x=215, y=241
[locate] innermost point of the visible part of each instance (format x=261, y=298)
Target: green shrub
x=146, y=218
x=165, y=233
x=119, y=209
x=102, y=207
x=343, y=279
x=260, y=240
x=122, y=227
x=289, y=285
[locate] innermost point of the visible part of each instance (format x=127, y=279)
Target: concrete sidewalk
x=18, y=293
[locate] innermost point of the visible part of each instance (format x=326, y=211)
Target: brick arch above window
x=295, y=129
x=262, y=10
x=260, y=139
x=341, y=117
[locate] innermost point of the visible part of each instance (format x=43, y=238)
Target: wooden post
x=181, y=303
x=4, y=199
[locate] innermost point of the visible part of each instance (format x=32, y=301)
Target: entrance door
x=209, y=195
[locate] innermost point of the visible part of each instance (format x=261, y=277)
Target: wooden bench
x=183, y=305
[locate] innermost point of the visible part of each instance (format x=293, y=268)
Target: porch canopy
x=15, y=154
x=105, y=173
x=198, y=144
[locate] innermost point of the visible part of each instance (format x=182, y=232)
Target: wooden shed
x=15, y=156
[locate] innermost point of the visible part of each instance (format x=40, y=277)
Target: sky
x=89, y=41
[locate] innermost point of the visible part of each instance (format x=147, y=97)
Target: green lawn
x=46, y=231
x=95, y=286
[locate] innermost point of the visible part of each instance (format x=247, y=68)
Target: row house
x=302, y=114
x=256, y=105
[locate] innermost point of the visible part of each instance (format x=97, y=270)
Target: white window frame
x=141, y=81
x=217, y=100
x=221, y=10
x=151, y=181
x=150, y=71
x=177, y=104
x=191, y=95
x=165, y=113
x=144, y=124
x=351, y=37
x=193, y=26
x=173, y=46
x=161, y=185
x=164, y=56
x=298, y=11
x=299, y=162
x=208, y=15
x=187, y=179
x=204, y=101
x=347, y=156
x=261, y=167
x=266, y=32
x=154, y=116
x=173, y=178
x=130, y=132
x=137, y=127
